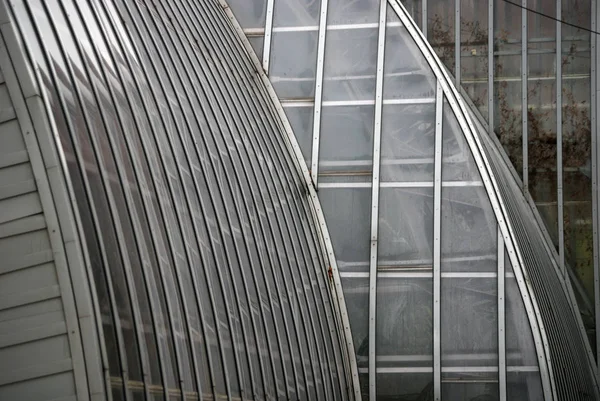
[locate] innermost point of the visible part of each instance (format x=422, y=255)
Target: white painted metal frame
x=501, y=277
x=437, y=245
x=311, y=194
x=375, y=201
x=314, y=171
x=266, y=56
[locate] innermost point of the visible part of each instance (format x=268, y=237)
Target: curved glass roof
x=209, y=276
x=450, y=291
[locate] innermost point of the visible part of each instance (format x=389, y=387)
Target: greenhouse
x=298, y=200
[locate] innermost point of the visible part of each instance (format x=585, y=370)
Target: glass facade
x=229, y=182
x=208, y=267
x=445, y=298
x=535, y=64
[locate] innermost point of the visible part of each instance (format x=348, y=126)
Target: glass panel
x=350, y=64
x=520, y=348
x=440, y=30
x=523, y=380
x=257, y=43
x=250, y=14
x=468, y=229
x=296, y=13
x=356, y=294
x=404, y=386
x=576, y=130
x=405, y=228
x=408, y=142
x=507, y=81
x=542, y=112
x=346, y=140
x=301, y=120
x=469, y=323
x=457, y=162
x=523, y=386
x=470, y=387
x=415, y=10
x=474, y=47
x=352, y=12
x=293, y=73
x=404, y=322
x=348, y=215
x=407, y=74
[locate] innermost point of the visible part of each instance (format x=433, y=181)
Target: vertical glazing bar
x=559, y=147
x=314, y=170
x=268, y=34
x=595, y=142
x=437, y=225
x=501, y=319
x=491, y=64
x=524, y=74
x=424, y=17
x=375, y=201
x=457, y=41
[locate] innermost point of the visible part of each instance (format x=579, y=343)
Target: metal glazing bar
x=323, y=235
x=375, y=199
x=122, y=354
x=559, y=141
x=314, y=170
x=491, y=64
x=424, y=17
x=467, y=123
x=437, y=225
x=594, y=132
x=120, y=234
x=324, y=298
x=524, y=81
x=268, y=35
x=457, y=41
x=501, y=319
x=169, y=143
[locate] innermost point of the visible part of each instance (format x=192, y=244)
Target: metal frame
x=559, y=140
x=311, y=195
x=47, y=162
x=282, y=224
x=491, y=64
x=424, y=13
x=437, y=245
x=375, y=199
x=314, y=171
x=548, y=244
x=266, y=56
x=457, y=19
x=595, y=143
x=119, y=235
x=501, y=277
x=524, y=91
x=490, y=184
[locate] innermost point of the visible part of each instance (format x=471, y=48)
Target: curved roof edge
x=539, y=318
x=47, y=164
x=314, y=199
